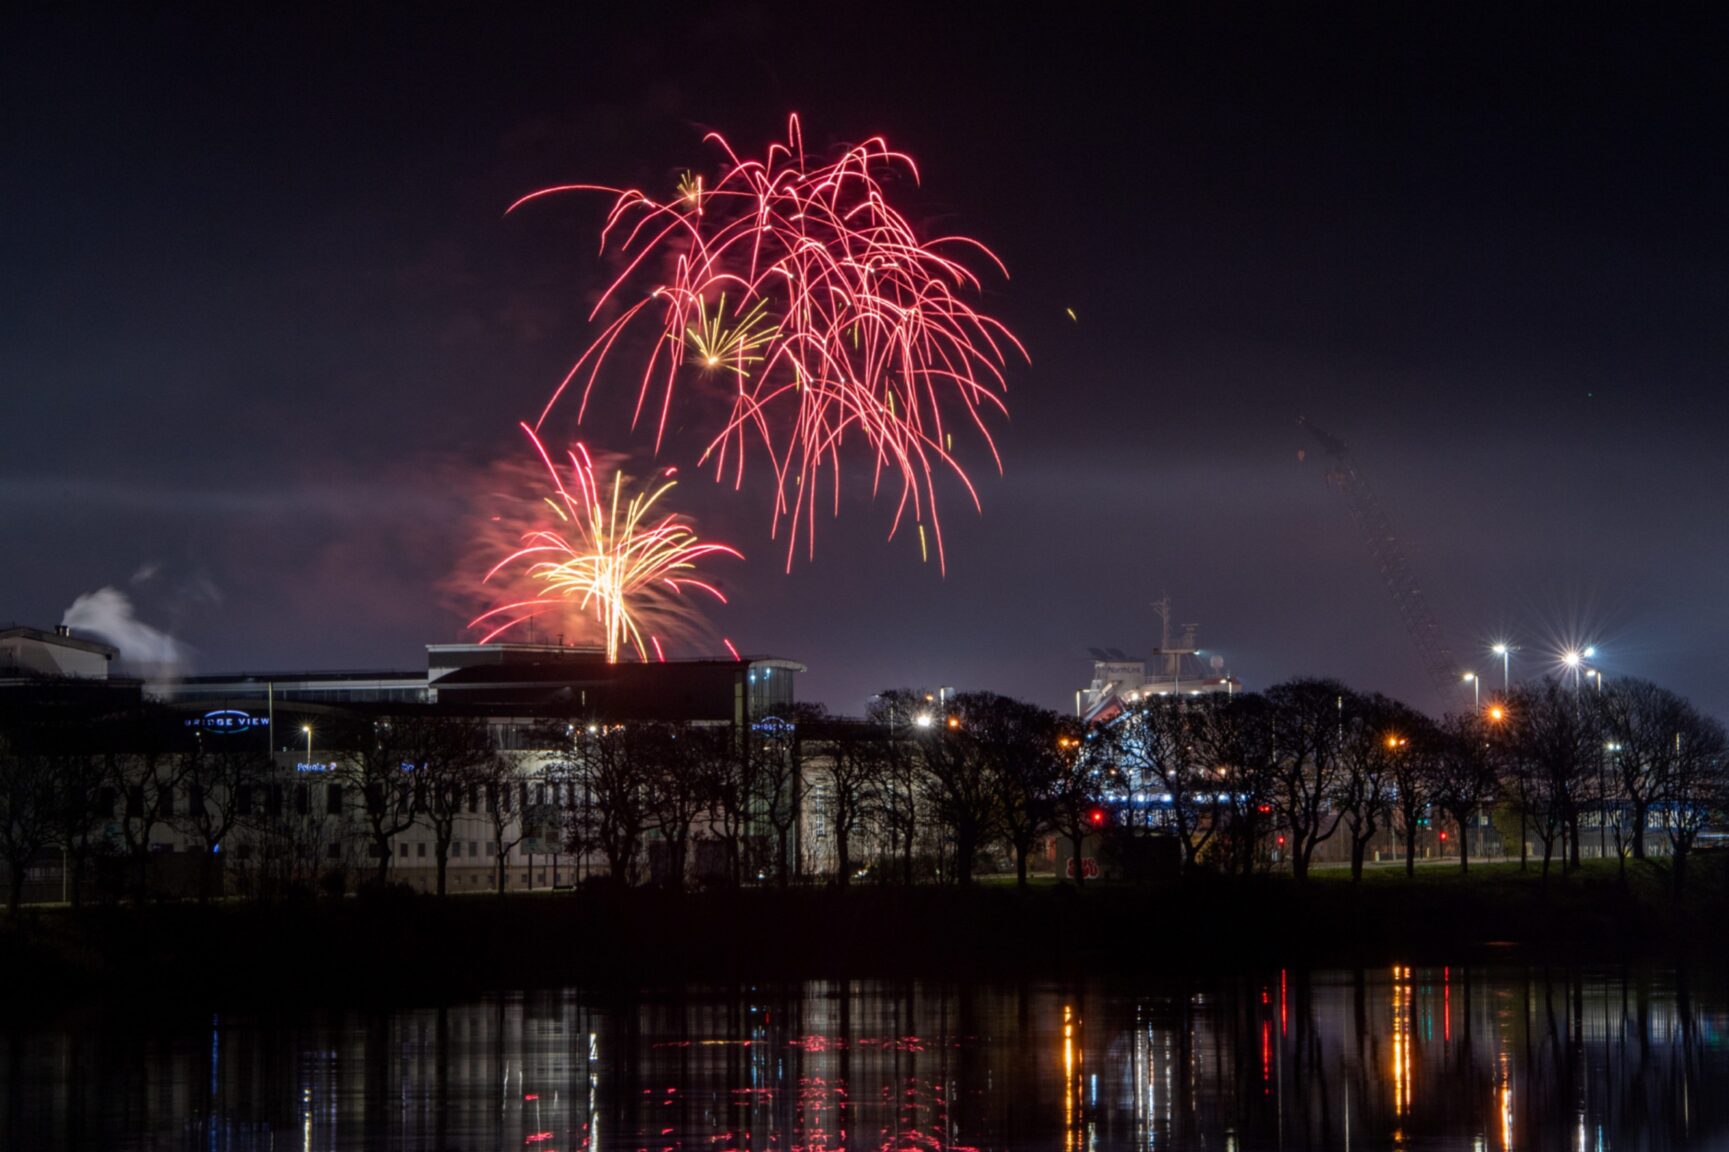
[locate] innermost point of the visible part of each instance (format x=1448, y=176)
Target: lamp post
x=1476, y=683
x=1602, y=795
x=1505, y=652
x=307, y=728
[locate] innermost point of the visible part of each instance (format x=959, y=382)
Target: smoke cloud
x=107, y=613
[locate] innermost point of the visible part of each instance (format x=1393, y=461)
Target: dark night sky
x=265, y=324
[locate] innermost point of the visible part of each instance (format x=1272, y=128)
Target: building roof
x=63, y=639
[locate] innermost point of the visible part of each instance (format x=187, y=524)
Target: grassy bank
x=403, y=948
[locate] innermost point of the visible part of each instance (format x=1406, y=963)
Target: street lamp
x=307, y=728
x=1476, y=683
x=1603, y=800
x=923, y=719
x=1505, y=652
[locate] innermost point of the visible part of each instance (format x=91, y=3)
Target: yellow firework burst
x=610, y=556
x=714, y=345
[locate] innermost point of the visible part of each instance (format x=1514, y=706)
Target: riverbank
x=399, y=948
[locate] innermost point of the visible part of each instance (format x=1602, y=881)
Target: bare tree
x=499, y=775
x=1375, y=733
x=449, y=755
x=291, y=840
x=219, y=779
x=681, y=791
x=773, y=774
x=613, y=766
x=1022, y=748
x=1308, y=723
x=858, y=761
x=901, y=798
x=1160, y=752
x=1234, y=735
x=731, y=774
x=145, y=770
x=961, y=795
x=374, y=769
x=1078, y=793
x=1696, y=786
x=1413, y=769
x=27, y=811
x=1551, y=750
x=1639, y=720
x=1467, y=776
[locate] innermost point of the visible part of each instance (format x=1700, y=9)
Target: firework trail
x=608, y=556
x=795, y=285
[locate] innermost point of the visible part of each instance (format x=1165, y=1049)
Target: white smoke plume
x=107, y=613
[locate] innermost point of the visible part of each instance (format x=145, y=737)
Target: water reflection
x=1402, y=1058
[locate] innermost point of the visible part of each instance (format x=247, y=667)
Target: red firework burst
x=826, y=315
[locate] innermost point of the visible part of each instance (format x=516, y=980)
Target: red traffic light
x=1443, y=837
x=1096, y=817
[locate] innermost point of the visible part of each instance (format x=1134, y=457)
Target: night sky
x=266, y=329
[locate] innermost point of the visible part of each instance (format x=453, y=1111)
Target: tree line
x=919, y=789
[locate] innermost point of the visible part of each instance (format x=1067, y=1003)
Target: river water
x=1480, y=1058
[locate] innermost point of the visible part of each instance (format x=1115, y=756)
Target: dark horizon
x=272, y=332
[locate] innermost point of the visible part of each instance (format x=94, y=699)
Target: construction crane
x=1344, y=478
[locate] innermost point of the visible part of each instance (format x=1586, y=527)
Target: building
x=295, y=736
x=30, y=653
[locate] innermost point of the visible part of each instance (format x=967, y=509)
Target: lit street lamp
x=1476, y=683
x=307, y=728
x=1505, y=652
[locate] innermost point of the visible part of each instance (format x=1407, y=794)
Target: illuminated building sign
x=228, y=720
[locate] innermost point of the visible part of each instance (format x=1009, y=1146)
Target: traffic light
x=1096, y=817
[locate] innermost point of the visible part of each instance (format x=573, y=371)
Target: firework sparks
x=848, y=326
x=609, y=556
x=712, y=345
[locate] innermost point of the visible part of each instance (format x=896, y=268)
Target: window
x=504, y=796
x=420, y=850
x=135, y=803
x=302, y=800
x=165, y=800
x=474, y=848
x=243, y=800
x=333, y=799
x=273, y=801
x=405, y=849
